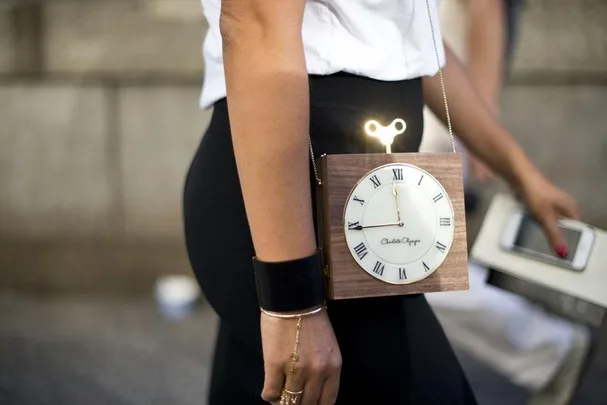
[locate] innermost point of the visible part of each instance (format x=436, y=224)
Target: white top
x=380, y=39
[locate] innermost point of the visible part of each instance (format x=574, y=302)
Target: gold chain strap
x=442, y=81
x=318, y=180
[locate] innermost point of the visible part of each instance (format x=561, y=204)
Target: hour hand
x=358, y=227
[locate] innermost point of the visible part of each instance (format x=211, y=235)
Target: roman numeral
x=354, y=226
x=425, y=266
x=362, y=202
x=438, y=197
x=379, y=268
x=441, y=247
x=402, y=274
x=361, y=250
x=445, y=222
x=420, y=180
x=375, y=181
x=398, y=173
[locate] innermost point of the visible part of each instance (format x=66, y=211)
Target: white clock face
x=399, y=223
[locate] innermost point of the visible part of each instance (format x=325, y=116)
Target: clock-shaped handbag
x=392, y=223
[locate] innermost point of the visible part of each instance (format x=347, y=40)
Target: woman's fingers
x=329, y=391
x=555, y=237
x=547, y=203
x=296, y=380
x=568, y=207
x=273, y=383
x=323, y=386
x=312, y=389
x=318, y=370
x=562, y=205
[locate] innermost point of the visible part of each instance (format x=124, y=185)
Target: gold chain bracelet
x=288, y=397
x=312, y=311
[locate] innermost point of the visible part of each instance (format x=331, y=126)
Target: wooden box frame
x=345, y=279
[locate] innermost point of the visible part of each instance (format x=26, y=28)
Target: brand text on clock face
x=404, y=241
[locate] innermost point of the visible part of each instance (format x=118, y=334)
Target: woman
x=289, y=68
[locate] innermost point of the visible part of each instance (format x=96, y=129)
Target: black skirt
x=394, y=350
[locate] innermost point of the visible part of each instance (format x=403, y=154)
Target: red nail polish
x=561, y=250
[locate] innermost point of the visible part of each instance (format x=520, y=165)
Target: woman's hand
x=317, y=369
x=547, y=203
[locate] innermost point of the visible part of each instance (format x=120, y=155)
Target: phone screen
x=531, y=237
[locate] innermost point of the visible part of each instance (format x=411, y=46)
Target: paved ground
x=94, y=351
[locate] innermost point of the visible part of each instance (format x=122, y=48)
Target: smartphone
x=525, y=236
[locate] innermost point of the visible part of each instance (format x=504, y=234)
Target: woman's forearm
x=486, y=48
x=474, y=122
x=268, y=104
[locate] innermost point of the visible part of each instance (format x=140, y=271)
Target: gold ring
x=289, y=397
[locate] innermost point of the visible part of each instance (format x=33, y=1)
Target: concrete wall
x=85, y=151
x=124, y=37
x=94, y=146
x=563, y=39
x=95, y=161
x=5, y=42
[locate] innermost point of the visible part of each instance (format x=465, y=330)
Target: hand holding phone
x=547, y=203
x=525, y=236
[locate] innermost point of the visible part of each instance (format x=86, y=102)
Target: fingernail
x=561, y=250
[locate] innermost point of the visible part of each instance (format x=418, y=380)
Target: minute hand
x=396, y=199
x=361, y=227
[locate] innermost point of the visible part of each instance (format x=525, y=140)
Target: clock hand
x=395, y=193
x=361, y=227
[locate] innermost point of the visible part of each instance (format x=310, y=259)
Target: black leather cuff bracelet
x=290, y=285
